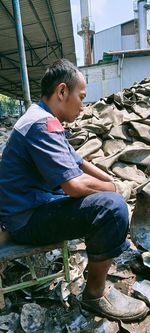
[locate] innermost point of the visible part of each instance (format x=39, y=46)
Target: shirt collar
x=44, y=106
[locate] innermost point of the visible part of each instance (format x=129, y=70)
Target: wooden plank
x=10, y=250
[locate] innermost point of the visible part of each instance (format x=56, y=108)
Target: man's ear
x=62, y=91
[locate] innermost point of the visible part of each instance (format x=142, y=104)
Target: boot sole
x=126, y=319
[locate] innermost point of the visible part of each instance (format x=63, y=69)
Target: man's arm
x=92, y=170
x=85, y=185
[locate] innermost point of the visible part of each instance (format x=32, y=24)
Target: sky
x=105, y=14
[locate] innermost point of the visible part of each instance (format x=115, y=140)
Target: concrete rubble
x=114, y=134
x=142, y=289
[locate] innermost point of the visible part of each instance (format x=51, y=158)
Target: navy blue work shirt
x=36, y=161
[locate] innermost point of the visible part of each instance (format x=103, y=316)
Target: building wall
x=130, y=74
x=128, y=42
x=107, y=40
x=120, y=37
x=128, y=28
x=101, y=80
x=105, y=79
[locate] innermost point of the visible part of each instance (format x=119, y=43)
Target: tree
x=8, y=105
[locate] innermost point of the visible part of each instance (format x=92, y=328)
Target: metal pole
x=22, y=56
x=142, y=17
x=20, y=111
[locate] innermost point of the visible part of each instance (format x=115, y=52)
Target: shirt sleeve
x=53, y=156
x=79, y=160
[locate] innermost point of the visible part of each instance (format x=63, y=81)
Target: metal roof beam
x=18, y=69
x=10, y=93
x=33, y=48
x=41, y=25
x=49, y=53
x=13, y=21
x=38, y=19
x=8, y=59
x=9, y=81
x=52, y=18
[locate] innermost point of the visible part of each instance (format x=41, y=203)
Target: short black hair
x=62, y=70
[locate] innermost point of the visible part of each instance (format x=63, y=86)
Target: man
x=49, y=193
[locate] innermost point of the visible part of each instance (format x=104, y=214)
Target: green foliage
x=8, y=105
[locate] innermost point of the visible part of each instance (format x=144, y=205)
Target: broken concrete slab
x=142, y=290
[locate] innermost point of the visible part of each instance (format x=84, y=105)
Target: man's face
x=73, y=101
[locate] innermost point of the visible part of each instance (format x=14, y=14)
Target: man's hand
x=124, y=188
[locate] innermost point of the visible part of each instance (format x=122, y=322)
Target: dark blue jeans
x=101, y=218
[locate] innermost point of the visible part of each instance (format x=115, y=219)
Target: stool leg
x=66, y=261
x=2, y=301
x=31, y=268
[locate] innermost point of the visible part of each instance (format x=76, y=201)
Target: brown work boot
x=116, y=305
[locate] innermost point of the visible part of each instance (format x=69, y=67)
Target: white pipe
x=142, y=23
x=121, y=71
x=84, y=6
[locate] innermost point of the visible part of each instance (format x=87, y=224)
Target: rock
x=146, y=259
x=142, y=290
x=107, y=326
x=2, y=129
x=9, y=322
x=33, y=318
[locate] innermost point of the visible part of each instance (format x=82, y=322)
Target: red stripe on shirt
x=54, y=125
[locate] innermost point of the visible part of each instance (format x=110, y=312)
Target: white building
x=121, y=56
x=118, y=70
x=120, y=37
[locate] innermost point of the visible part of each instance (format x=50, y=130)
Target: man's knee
x=103, y=204
x=116, y=218
x=110, y=226
x=120, y=212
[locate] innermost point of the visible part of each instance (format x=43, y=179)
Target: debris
x=9, y=322
x=32, y=318
x=53, y=255
x=142, y=327
x=106, y=326
x=142, y=290
x=128, y=172
x=140, y=222
x=146, y=258
x=59, y=292
x=120, y=272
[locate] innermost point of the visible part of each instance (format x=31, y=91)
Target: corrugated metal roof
x=48, y=35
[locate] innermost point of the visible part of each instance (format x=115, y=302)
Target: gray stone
x=32, y=318
x=9, y=322
x=3, y=129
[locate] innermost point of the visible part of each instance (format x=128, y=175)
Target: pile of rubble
x=113, y=134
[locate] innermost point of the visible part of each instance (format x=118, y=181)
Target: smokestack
x=86, y=29
x=142, y=23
